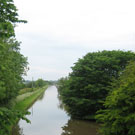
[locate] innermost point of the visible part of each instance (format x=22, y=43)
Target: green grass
x=24, y=101
x=25, y=90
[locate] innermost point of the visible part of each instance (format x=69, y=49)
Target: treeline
x=12, y=65
x=30, y=86
x=35, y=84
x=101, y=86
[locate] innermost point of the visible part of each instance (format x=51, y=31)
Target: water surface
x=47, y=118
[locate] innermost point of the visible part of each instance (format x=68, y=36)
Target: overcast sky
x=59, y=32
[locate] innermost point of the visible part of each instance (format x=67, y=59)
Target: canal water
x=48, y=118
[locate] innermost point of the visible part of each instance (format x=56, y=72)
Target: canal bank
x=24, y=101
x=47, y=118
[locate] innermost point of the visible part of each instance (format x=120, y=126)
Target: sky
x=59, y=32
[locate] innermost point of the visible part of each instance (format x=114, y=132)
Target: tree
x=8, y=117
x=8, y=18
x=40, y=83
x=118, y=117
x=12, y=65
x=90, y=81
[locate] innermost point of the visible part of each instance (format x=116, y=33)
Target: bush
x=119, y=116
x=8, y=117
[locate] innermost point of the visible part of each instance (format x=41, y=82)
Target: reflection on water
x=60, y=104
x=17, y=130
x=48, y=118
x=78, y=127
x=42, y=96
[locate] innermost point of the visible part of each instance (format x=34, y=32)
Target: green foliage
x=40, y=83
x=25, y=90
x=12, y=65
x=12, y=68
x=8, y=18
x=86, y=88
x=8, y=118
x=35, y=84
x=119, y=116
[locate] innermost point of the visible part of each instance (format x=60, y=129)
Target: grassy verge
x=24, y=101
x=25, y=90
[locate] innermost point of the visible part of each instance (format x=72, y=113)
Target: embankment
x=24, y=101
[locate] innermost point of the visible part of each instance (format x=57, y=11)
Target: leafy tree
x=8, y=18
x=8, y=118
x=62, y=84
x=12, y=65
x=35, y=84
x=40, y=83
x=89, y=83
x=118, y=117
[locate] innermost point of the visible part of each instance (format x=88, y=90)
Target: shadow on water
x=41, y=97
x=78, y=127
x=17, y=130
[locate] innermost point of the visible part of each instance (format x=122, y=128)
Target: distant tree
x=29, y=84
x=118, y=117
x=40, y=83
x=90, y=81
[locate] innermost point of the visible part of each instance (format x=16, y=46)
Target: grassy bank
x=24, y=101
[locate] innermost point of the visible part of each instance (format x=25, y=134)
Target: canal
x=48, y=118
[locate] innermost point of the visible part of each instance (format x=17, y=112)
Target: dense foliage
x=12, y=65
x=87, y=86
x=119, y=116
x=8, y=18
x=8, y=118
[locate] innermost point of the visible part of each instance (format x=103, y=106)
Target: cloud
x=61, y=31
x=43, y=72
